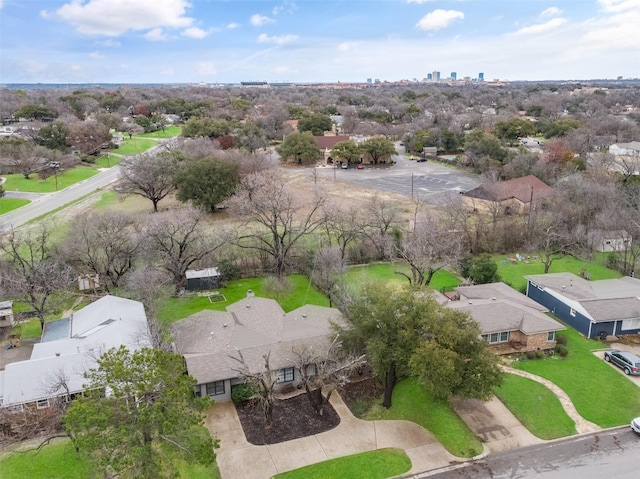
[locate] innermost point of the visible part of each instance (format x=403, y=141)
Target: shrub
x=561, y=339
x=561, y=349
x=540, y=354
x=531, y=354
x=242, y=392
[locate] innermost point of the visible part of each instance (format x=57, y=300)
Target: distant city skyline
x=219, y=41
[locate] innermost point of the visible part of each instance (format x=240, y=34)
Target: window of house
x=572, y=312
x=495, y=338
x=215, y=388
x=285, y=375
x=551, y=336
x=42, y=403
x=197, y=391
x=15, y=409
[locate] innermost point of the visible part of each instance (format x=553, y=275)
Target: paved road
x=612, y=454
x=429, y=182
x=46, y=203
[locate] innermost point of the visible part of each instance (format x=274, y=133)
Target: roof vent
x=57, y=354
x=304, y=315
x=470, y=302
x=225, y=325
x=493, y=298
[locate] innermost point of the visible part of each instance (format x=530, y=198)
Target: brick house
x=326, y=143
x=509, y=321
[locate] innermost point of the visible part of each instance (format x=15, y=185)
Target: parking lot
x=429, y=182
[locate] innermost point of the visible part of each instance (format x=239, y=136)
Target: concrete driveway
x=237, y=459
x=622, y=347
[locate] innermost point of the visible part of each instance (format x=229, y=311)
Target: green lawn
x=536, y=407
x=300, y=293
x=135, y=146
x=107, y=160
x=600, y=393
x=441, y=281
x=10, y=204
x=169, y=132
x=378, y=464
x=413, y=402
x=60, y=461
x=17, y=182
x=513, y=273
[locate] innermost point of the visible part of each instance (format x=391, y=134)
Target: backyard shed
x=6, y=314
x=202, y=279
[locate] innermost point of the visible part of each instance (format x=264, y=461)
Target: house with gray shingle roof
x=69, y=347
x=209, y=340
x=509, y=321
x=594, y=308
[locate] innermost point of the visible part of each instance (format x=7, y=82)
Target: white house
x=625, y=149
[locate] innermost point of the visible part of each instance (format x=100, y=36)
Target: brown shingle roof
x=520, y=188
x=328, y=142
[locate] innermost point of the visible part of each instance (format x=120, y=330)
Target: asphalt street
x=48, y=202
x=612, y=454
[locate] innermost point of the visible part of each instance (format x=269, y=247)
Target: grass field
x=536, y=407
x=413, y=402
x=513, y=273
x=107, y=160
x=60, y=461
x=10, y=204
x=591, y=384
x=135, y=146
x=299, y=294
x=169, y=132
x=378, y=464
x=17, y=182
x=442, y=280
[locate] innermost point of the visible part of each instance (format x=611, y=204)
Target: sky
x=228, y=41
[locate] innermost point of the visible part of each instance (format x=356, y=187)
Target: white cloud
x=551, y=12
x=439, y=19
x=96, y=55
x=156, y=35
x=168, y=72
x=1, y=3
x=43, y=13
x=233, y=26
x=346, y=46
x=258, y=20
x=288, y=6
x=615, y=6
x=195, y=32
x=115, y=17
x=109, y=43
x=277, y=39
x=541, y=27
x=206, y=68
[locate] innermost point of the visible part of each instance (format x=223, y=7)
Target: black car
x=421, y=160
x=628, y=362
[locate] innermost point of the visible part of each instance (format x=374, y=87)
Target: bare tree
x=177, y=239
x=343, y=226
x=103, y=242
x=23, y=156
x=275, y=220
x=264, y=383
x=30, y=273
x=149, y=175
x=322, y=372
x=430, y=247
x=382, y=216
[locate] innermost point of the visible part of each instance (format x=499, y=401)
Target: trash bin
x=603, y=335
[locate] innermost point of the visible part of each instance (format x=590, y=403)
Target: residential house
x=594, y=308
x=6, y=314
x=69, y=347
x=625, y=149
x=609, y=241
x=509, y=321
x=516, y=196
x=201, y=279
x=253, y=326
x=326, y=143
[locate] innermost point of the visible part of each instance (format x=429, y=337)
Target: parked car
x=421, y=160
x=635, y=426
x=361, y=167
x=345, y=166
x=628, y=362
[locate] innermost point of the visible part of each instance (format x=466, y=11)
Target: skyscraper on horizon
x=481, y=76
x=436, y=76
x=454, y=76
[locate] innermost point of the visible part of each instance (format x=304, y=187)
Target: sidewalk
x=237, y=459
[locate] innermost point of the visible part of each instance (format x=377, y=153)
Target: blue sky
x=228, y=41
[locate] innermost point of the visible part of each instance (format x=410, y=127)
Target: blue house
x=608, y=307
